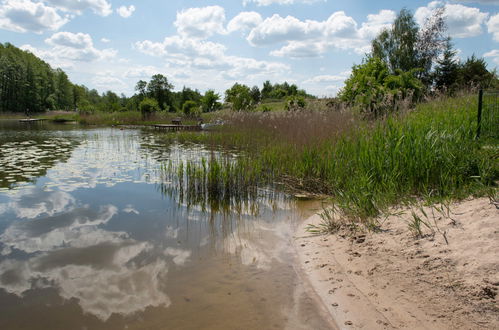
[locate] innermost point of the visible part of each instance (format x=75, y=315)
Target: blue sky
x=207, y=44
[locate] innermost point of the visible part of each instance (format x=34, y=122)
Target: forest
x=29, y=83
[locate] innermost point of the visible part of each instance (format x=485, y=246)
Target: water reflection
x=95, y=232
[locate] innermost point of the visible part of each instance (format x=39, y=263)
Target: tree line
x=29, y=83
x=407, y=62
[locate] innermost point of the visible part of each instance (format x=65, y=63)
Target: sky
x=208, y=44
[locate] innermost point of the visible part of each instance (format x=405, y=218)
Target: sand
x=394, y=280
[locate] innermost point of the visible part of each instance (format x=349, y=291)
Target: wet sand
x=392, y=280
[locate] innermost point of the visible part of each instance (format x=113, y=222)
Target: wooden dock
x=170, y=127
x=31, y=120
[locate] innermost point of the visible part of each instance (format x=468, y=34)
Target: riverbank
x=392, y=280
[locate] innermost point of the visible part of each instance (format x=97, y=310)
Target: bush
x=295, y=103
x=191, y=109
x=147, y=106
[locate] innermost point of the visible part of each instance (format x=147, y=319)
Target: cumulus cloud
x=201, y=22
x=462, y=21
x=278, y=2
x=199, y=56
x=376, y=23
x=493, y=26
x=494, y=54
x=77, y=47
x=277, y=29
x=100, y=7
x=178, y=46
x=28, y=16
x=244, y=21
x=125, y=12
x=327, y=78
x=311, y=38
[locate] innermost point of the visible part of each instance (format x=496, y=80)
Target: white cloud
x=462, y=21
x=494, y=54
x=107, y=81
x=244, y=21
x=314, y=38
x=27, y=16
x=201, y=22
x=105, y=40
x=177, y=46
x=68, y=39
x=125, y=12
x=301, y=49
x=194, y=61
x=277, y=29
x=77, y=47
x=100, y=7
x=138, y=72
x=493, y=26
x=327, y=78
x=376, y=23
x=278, y=2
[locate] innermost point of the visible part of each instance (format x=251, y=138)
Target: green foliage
x=473, y=73
x=210, y=101
x=160, y=89
x=278, y=91
x=447, y=70
x=239, y=97
x=26, y=82
x=295, y=103
x=148, y=106
x=190, y=109
x=255, y=94
x=429, y=154
x=397, y=46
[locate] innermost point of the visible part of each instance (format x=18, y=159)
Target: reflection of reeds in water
x=219, y=183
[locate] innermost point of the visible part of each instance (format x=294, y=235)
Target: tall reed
x=428, y=153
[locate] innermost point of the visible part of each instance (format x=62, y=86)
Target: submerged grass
x=430, y=153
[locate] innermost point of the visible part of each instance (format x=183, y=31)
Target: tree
x=255, y=94
x=239, y=96
x=141, y=88
x=397, y=46
x=210, y=101
x=190, y=108
x=405, y=46
x=266, y=90
x=147, y=106
x=160, y=89
x=64, y=90
x=447, y=70
x=366, y=83
x=430, y=44
x=474, y=73
x=373, y=89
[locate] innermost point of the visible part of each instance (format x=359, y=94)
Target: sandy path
x=391, y=280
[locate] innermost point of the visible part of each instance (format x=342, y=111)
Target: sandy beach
x=447, y=279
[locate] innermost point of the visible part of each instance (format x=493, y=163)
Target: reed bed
x=429, y=153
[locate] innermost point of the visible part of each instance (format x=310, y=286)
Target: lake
x=94, y=236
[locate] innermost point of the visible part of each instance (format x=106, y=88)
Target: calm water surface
x=90, y=240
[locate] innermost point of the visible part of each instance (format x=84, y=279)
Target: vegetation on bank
x=430, y=153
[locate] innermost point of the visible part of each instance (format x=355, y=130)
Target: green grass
x=429, y=153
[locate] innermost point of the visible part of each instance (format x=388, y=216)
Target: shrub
x=147, y=106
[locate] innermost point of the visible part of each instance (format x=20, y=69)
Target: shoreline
x=392, y=280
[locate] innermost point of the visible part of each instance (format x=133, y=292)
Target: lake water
x=89, y=239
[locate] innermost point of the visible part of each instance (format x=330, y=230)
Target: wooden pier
x=31, y=120
x=170, y=127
